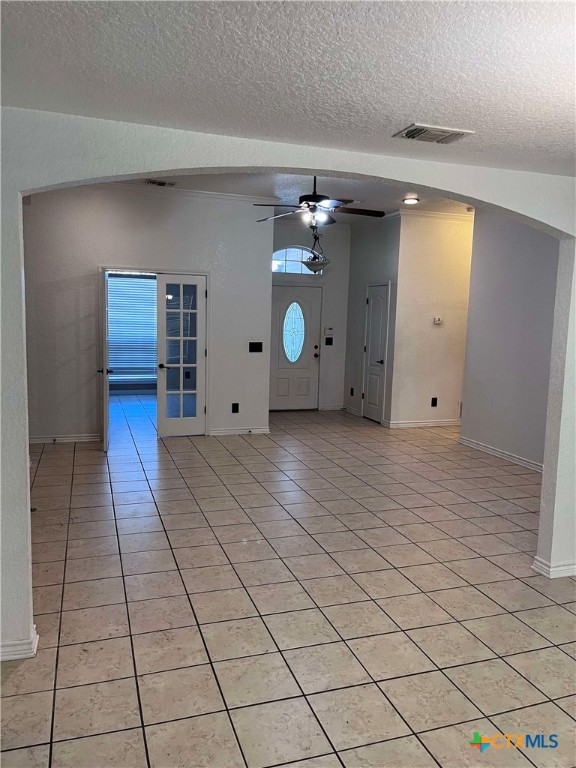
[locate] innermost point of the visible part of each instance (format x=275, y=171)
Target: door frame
x=388, y=284
x=160, y=271
x=297, y=286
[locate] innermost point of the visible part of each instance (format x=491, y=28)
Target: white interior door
x=295, y=348
x=104, y=370
x=181, y=355
x=378, y=301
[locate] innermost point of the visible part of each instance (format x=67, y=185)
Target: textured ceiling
x=338, y=74
x=287, y=188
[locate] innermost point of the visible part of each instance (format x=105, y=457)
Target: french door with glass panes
x=181, y=355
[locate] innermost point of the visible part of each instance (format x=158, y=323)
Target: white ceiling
x=339, y=74
x=287, y=188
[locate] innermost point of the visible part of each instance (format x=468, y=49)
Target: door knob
x=166, y=366
x=316, y=354
x=380, y=362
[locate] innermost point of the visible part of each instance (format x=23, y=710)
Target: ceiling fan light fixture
x=316, y=262
x=411, y=200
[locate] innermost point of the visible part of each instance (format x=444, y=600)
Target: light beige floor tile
x=279, y=732
x=29, y=675
x=518, y=565
x=568, y=704
x=550, y=670
x=478, y=571
x=100, y=623
x=429, y=701
x=494, y=687
x=300, y=628
x=49, y=551
x=47, y=599
x=555, y=623
x=466, y=603
x=91, y=709
x=263, y=572
x=234, y=639
x=168, y=649
x=204, y=742
x=560, y=590
x=113, y=750
x=223, y=605
x=159, y=614
x=356, y=716
x=340, y=541
x=197, y=557
x=391, y=655
x=323, y=667
x=94, y=662
x=295, y=546
x=210, y=578
x=179, y=693
x=487, y=545
x=46, y=574
x=400, y=753
x=451, y=747
x=334, y=590
x=26, y=719
x=81, y=548
x=381, y=584
x=313, y=566
x=385, y=537
x=432, y=577
x=150, y=585
x=277, y=598
x=405, y=554
x=255, y=679
x=411, y=611
x=48, y=629
x=544, y=719
x=361, y=560
x=359, y=619
x=91, y=594
x=89, y=568
x=192, y=537
x=506, y=634
x=514, y=595
x=148, y=562
x=326, y=761
x=450, y=644
x=143, y=542
x=569, y=648
x=28, y=757
x=323, y=524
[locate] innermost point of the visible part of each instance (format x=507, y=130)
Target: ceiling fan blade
x=275, y=205
x=335, y=203
x=278, y=216
x=361, y=212
x=329, y=220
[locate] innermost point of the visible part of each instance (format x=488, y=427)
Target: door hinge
x=205, y=353
x=367, y=301
x=204, y=409
x=364, y=348
x=362, y=395
x=206, y=293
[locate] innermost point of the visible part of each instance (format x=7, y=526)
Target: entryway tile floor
x=331, y=594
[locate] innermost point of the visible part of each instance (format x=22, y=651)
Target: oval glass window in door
x=293, y=332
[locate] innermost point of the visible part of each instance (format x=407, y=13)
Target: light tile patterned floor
x=335, y=593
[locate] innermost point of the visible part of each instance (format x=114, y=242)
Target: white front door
x=378, y=301
x=181, y=355
x=295, y=348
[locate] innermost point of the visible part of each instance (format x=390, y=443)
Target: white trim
x=127, y=186
x=501, y=454
x=339, y=407
x=96, y=437
x=11, y=650
x=437, y=214
x=353, y=411
x=239, y=431
x=409, y=424
x=386, y=394
x=544, y=568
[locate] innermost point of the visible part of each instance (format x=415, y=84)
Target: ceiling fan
x=316, y=209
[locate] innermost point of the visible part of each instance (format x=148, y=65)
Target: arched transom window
x=289, y=260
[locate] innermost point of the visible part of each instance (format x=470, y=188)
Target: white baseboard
x=339, y=407
x=353, y=411
x=557, y=571
x=414, y=424
x=501, y=454
x=239, y=431
x=11, y=650
x=65, y=438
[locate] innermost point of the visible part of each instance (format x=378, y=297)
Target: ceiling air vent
x=160, y=183
x=433, y=134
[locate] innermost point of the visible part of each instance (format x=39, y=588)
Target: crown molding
x=128, y=186
x=438, y=215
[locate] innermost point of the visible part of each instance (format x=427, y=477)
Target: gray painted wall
x=512, y=293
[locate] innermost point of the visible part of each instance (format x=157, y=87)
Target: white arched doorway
x=45, y=151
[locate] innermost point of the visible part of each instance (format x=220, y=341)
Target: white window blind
x=132, y=329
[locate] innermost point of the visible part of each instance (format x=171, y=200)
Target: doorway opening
x=153, y=355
